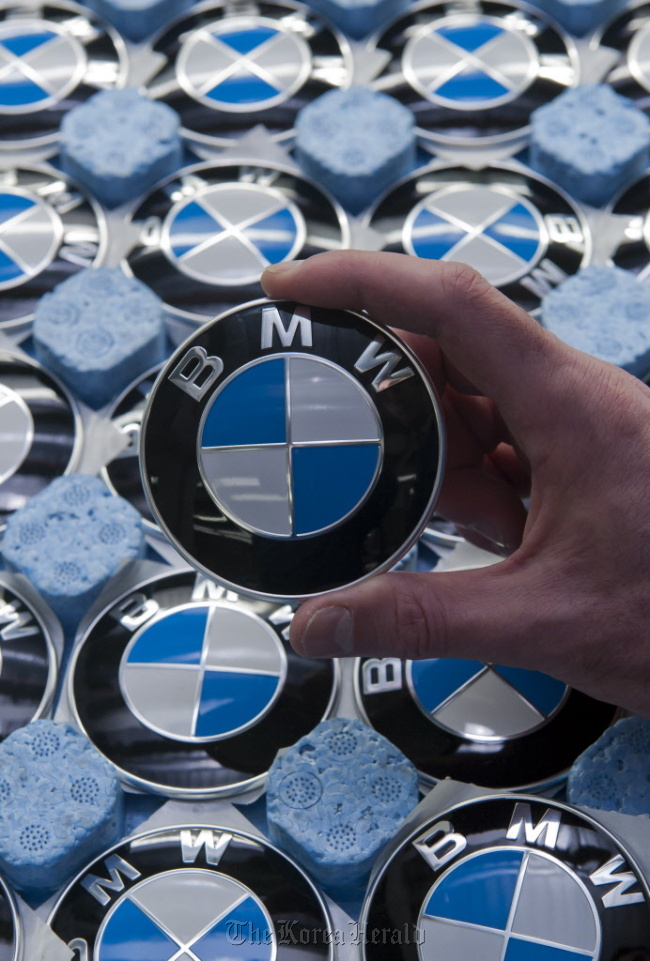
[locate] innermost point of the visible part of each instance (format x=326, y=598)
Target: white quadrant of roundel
x=508, y=904
x=40, y=64
x=229, y=233
x=30, y=235
x=16, y=432
x=470, y=63
x=493, y=229
x=290, y=446
x=483, y=701
x=238, y=65
x=202, y=672
x=188, y=915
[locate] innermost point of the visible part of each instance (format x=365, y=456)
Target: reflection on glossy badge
x=287, y=450
x=10, y=930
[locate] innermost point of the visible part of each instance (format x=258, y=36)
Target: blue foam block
x=580, y=16
x=612, y=774
x=60, y=805
x=358, y=18
x=604, y=311
x=138, y=19
x=335, y=798
x=70, y=539
x=355, y=143
x=99, y=330
x=119, y=144
x=590, y=141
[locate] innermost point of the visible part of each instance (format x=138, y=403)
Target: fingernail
x=284, y=267
x=329, y=633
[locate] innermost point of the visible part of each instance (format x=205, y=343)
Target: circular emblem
x=508, y=878
x=40, y=431
x=10, y=932
x=27, y=661
x=247, y=68
x=629, y=34
x=228, y=234
x=122, y=472
x=288, y=450
x=48, y=231
x=474, y=76
x=193, y=892
x=502, y=727
x=631, y=208
x=52, y=58
x=206, y=235
x=190, y=690
x=517, y=229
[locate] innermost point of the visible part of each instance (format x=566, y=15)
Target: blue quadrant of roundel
x=479, y=890
x=250, y=410
x=517, y=230
x=241, y=934
x=26, y=42
x=274, y=236
x=130, y=935
x=544, y=692
x=190, y=227
x=8, y=269
x=329, y=482
x=470, y=37
x=229, y=700
x=176, y=638
x=243, y=41
x=436, y=679
x=11, y=205
x=529, y=951
x=472, y=85
x=434, y=236
x=245, y=88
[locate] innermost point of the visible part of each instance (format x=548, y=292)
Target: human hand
x=572, y=598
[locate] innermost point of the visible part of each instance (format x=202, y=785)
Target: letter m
x=618, y=895
x=116, y=867
x=544, y=832
x=272, y=321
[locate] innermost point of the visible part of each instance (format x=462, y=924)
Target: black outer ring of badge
x=188, y=297
x=397, y=893
x=11, y=936
x=438, y=125
x=57, y=436
x=617, y=34
x=370, y=541
x=39, y=130
x=387, y=215
x=633, y=203
x=80, y=214
x=248, y=859
x=209, y=129
x=122, y=474
x=157, y=764
x=29, y=662
x=532, y=761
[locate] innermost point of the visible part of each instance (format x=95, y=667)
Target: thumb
x=465, y=614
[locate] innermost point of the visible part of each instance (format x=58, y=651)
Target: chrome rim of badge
x=516, y=228
x=190, y=690
x=287, y=451
x=226, y=70
x=507, y=876
x=473, y=73
x=11, y=936
x=194, y=890
x=53, y=57
x=40, y=431
x=122, y=473
x=49, y=230
x=500, y=727
x=632, y=207
x=629, y=34
x=207, y=234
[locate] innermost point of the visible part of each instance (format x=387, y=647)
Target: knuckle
x=419, y=618
x=461, y=280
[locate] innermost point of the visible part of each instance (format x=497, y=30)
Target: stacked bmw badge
x=183, y=462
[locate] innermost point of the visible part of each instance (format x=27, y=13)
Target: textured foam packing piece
x=119, y=144
x=612, y=774
x=138, y=19
x=590, y=141
x=355, y=143
x=335, y=798
x=358, y=18
x=604, y=311
x=99, y=330
x=580, y=16
x=60, y=805
x=70, y=539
